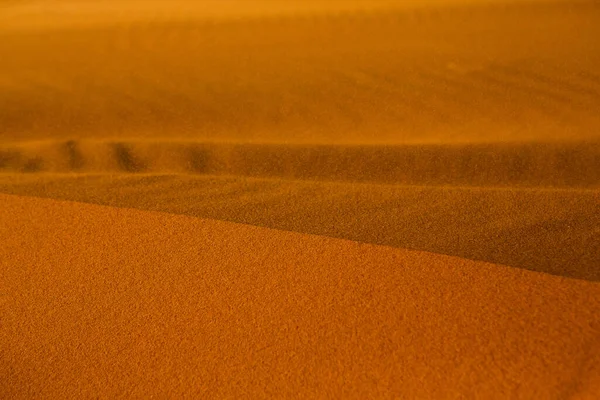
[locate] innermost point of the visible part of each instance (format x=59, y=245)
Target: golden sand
x=464, y=128
x=101, y=301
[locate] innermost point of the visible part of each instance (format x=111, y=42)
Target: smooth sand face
x=124, y=303
x=464, y=128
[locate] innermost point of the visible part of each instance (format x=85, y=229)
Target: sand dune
x=107, y=302
x=548, y=230
x=485, y=164
x=234, y=111
x=459, y=127
x=493, y=73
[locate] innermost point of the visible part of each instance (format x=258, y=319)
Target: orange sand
x=468, y=72
x=461, y=127
x=465, y=128
x=540, y=229
x=107, y=302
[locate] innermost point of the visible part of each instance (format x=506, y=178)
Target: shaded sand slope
x=99, y=301
x=548, y=230
x=558, y=164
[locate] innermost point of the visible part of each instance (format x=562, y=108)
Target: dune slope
x=273, y=114
x=548, y=230
x=99, y=301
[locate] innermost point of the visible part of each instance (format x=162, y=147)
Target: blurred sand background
x=464, y=128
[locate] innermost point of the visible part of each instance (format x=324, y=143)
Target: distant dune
x=44, y=15
x=98, y=301
x=481, y=72
x=557, y=164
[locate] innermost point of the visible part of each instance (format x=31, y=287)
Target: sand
x=546, y=230
x=480, y=72
x=125, y=303
x=462, y=135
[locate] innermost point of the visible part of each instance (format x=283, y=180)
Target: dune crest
x=562, y=164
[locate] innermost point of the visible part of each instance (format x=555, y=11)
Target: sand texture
x=311, y=199
x=126, y=303
x=520, y=71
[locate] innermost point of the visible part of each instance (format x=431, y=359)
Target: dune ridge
x=570, y=164
x=540, y=229
x=100, y=301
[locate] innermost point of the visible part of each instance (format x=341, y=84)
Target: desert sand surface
x=108, y=302
x=463, y=136
x=546, y=230
x=480, y=72
x=467, y=128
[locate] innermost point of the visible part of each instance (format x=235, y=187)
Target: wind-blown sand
x=459, y=127
x=101, y=301
x=520, y=71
